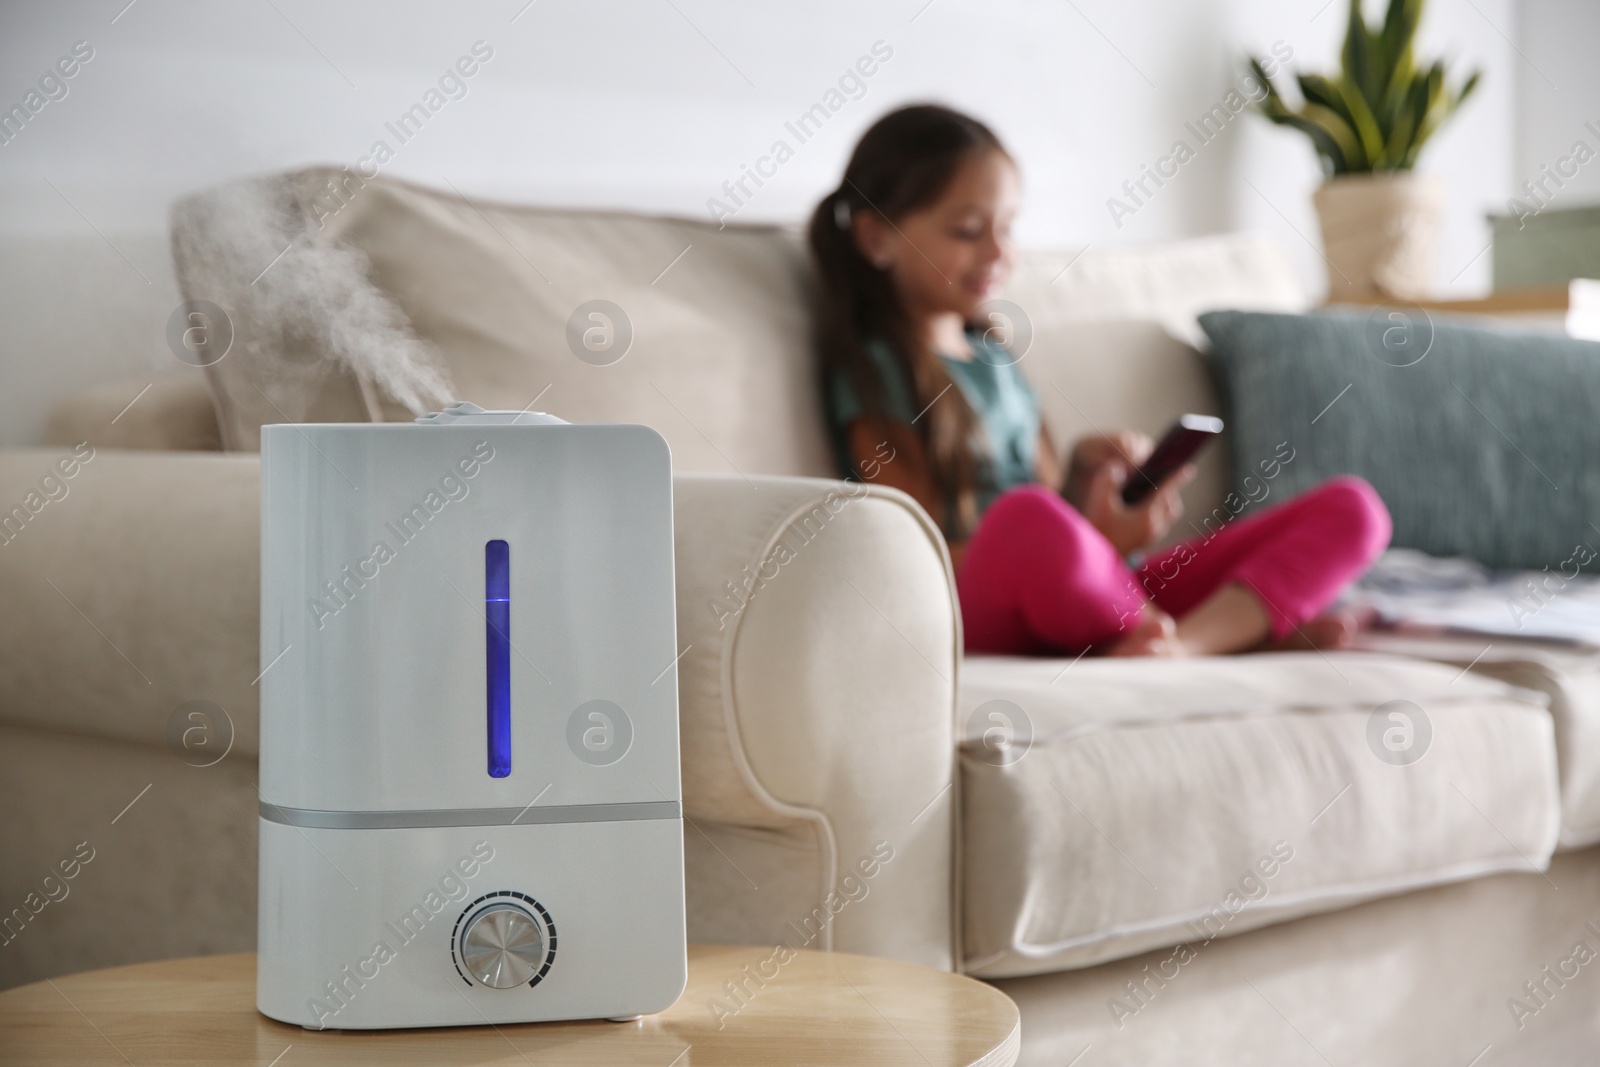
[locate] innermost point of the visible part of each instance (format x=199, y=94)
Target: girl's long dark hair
x=903, y=163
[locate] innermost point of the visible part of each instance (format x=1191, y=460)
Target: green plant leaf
x=1395, y=94
x=1363, y=125
x=1378, y=71
x=1397, y=147
x=1324, y=92
x=1261, y=76
x=1439, y=104
x=1399, y=31
x=1431, y=109
x=1356, y=54
x=1328, y=145
x=1320, y=90
x=1381, y=108
x=1332, y=136
x=1333, y=161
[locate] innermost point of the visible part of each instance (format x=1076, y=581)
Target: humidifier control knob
x=502, y=946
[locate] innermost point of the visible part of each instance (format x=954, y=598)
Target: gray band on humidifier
x=312, y=818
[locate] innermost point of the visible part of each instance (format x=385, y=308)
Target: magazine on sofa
x=1411, y=591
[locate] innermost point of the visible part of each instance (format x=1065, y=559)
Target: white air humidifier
x=470, y=806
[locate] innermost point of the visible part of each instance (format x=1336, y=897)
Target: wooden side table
x=1573, y=308
x=820, y=1008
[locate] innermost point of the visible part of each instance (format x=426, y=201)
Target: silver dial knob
x=502, y=946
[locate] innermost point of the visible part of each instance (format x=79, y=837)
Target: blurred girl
x=915, y=238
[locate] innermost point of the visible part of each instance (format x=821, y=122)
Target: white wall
x=652, y=105
x=1558, y=88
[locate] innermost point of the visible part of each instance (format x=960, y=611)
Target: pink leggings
x=1038, y=579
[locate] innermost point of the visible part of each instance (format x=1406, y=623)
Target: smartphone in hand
x=1178, y=446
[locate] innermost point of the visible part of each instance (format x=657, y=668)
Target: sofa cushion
x=1097, y=375
x=1169, y=283
x=1158, y=802
x=703, y=334
x=287, y=324
x=1567, y=674
x=1480, y=441
x=707, y=336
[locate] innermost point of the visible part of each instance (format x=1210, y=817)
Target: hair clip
x=841, y=213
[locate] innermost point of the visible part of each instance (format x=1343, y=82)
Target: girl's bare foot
x=1155, y=634
x=1335, y=629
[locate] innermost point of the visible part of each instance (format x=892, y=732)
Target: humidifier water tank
x=469, y=804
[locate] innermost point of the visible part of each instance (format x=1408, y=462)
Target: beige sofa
x=1092, y=835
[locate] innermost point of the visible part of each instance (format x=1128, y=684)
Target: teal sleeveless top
x=1006, y=406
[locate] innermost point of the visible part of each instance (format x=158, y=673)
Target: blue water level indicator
x=497, y=657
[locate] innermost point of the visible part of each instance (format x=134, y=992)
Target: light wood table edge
x=817, y=1001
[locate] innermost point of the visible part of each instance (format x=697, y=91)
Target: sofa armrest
x=817, y=690
x=171, y=411
x=817, y=696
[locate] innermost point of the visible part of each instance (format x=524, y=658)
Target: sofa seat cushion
x=1110, y=807
x=1568, y=674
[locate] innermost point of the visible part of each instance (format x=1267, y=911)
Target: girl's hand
x=1130, y=528
x=1127, y=445
x=1093, y=453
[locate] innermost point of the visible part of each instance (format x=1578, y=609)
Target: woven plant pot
x=1380, y=234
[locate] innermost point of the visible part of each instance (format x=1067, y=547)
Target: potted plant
x=1380, y=220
